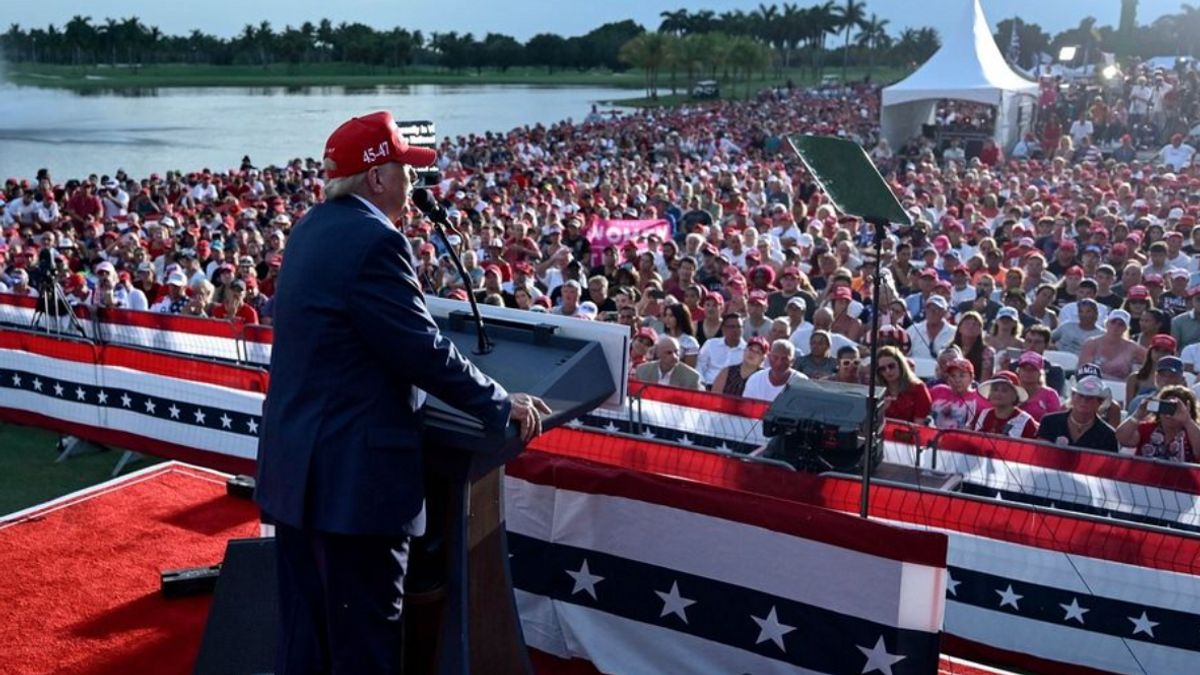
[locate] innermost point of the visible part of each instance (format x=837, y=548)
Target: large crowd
x=1080, y=240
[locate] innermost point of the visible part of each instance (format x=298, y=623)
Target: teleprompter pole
x=880, y=227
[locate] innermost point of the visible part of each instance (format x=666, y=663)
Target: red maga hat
x=367, y=141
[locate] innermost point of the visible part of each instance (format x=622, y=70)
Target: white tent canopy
x=968, y=67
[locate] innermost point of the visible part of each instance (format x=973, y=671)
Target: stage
x=82, y=586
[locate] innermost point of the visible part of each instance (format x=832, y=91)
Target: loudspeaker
x=239, y=638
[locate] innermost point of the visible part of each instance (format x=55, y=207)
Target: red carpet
x=81, y=592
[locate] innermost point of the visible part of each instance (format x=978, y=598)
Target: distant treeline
x=783, y=35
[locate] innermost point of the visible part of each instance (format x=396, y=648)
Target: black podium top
x=571, y=375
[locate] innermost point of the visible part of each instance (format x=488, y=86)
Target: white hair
x=345, y=185
x=784, y=346
x=666, y=341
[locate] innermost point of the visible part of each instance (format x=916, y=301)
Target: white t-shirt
x=759, y=385
x=1191, y=357
x=1081, y=129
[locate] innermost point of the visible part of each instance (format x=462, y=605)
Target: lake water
x=147, y=131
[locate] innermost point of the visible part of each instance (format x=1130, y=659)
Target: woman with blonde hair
x=1164, y=426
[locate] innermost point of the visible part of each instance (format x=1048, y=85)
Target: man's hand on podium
x=527, y=411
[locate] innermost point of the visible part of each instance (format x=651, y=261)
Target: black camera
x=49, y=264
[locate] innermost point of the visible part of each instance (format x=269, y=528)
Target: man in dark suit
x=339, y=460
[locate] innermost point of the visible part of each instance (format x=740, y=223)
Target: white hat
x=588, y=309
x=176, y=278
x=938, y=301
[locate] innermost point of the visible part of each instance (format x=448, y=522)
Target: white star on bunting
x=80, y=394
x=58, y=389
x=16, y=380
x=37, y=384
x=723, y=448
x=952, y=585
x=252, y=425
x=150, y=406
x=769, y=628
x=879, y=659
x=1074, y=611
x=674, y=603
x=199, y=416
x=585, y=580
x=574, y=424
x=226, y=421
x=648, y=434
x=611, y=428
x=1143, y=624
x=102, y=397
x=686, y=440
x=174, y=410
x=1008, y=597
x=125, y=400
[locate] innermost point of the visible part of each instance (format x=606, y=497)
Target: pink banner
x=604, y=233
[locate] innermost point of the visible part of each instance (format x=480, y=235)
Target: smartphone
x=1162, y=408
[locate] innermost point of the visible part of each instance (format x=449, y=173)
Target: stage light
x=1067, y=53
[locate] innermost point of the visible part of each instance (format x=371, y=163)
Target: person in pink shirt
x=957, y=404
x=1031, y=373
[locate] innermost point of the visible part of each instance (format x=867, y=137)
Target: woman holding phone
x=1164, y=427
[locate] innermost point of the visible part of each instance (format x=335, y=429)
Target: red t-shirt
x=245, y=313
x=912, y=405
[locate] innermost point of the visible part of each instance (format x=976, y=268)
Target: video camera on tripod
x=52, y=306
x=50, y=263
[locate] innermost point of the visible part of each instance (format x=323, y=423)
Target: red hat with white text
x=367, y=141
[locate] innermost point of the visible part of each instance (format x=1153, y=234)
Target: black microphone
x=424, y=200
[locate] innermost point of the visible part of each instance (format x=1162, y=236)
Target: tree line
x=686, y=42
x=1169, y=35
x=789, y=33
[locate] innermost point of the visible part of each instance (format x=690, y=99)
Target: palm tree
x=872, y=37
x=745, y=55
x=853, y=15
x=676, y=23
x=689, y=55
x=823, y=21
x=649, y=52
x=81, y=35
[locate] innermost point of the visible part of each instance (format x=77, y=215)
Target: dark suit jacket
x=340, y=444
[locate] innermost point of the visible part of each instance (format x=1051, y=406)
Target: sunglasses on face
x=847, y=363
x=888, y=367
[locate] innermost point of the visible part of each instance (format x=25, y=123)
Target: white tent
x=968, y=67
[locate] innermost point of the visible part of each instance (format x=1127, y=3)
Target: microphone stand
x=880, y=226
x=485, y=344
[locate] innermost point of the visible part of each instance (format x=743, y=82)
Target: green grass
x=104, y=77
x=311, y=75
x=801, y=77
x=29, y=475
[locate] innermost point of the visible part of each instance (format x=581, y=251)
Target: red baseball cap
x=1138, y=292
x=842, y=293
x=367, y=141
x=759, y=297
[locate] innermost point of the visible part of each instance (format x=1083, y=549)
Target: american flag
x=1029, y=587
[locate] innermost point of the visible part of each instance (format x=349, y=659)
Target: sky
x=525, y=18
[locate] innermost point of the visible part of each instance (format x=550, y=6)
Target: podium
x=472, y=604
x=459, y=613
